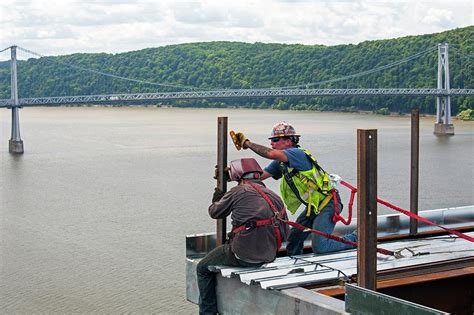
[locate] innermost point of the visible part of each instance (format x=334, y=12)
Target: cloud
x=438, y=17
x=68, y=26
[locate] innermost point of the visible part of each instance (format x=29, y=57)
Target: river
x=95, y=212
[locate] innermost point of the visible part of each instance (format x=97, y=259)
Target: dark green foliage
x=235, y=65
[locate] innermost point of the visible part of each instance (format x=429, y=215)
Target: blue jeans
x=321, y=222
x=221, y=255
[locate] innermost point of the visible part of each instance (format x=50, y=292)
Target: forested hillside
x=223, y=65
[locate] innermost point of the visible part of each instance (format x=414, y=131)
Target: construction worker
x=257, y=232
x=304, y=182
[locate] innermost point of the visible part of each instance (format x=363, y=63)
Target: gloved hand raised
x=218, y=194
x=238, y=139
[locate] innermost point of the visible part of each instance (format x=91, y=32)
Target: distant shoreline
x=364, y=112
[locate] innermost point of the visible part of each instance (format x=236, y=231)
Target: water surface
x=94, y=214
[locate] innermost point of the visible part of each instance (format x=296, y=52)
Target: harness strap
x=314, y=161
x=325, y=188
x=278, y=215
x=252, y=224
x=289, y=180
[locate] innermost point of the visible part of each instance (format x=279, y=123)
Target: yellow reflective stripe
x=308, y=212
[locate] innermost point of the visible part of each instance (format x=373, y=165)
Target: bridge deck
x=224, y=94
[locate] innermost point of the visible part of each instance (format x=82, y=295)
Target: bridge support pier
x=443, y=125
x=15, y=145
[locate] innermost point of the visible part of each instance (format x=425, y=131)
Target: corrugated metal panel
x=287, y=272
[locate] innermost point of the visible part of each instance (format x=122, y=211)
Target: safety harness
x=312, y=186
x=279, y=217
x=274, y=220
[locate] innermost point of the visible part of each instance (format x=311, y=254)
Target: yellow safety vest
x=311, y=187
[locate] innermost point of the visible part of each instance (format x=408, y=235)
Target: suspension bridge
x=442, y=92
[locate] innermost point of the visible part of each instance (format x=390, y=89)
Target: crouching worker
x=256, y=232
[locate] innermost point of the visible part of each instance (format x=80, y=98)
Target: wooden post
x=367, y=208
x=221, y=227
x=414, y=171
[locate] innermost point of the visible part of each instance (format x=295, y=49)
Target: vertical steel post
x=367, y=208
x=15, y=145
x=414, y=170
x=221, y=232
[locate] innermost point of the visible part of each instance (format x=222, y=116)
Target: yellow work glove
x=238, y=139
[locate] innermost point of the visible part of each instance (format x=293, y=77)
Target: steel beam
x=221, y=169
x=414, y=170
x=367, y=208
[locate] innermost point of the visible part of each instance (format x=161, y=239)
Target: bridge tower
x=15, y=144
x=443, y=125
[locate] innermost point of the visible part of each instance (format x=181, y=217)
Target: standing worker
x=257, y=232
x=304, y=182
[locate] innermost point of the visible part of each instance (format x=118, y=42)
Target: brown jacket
x=245, y=204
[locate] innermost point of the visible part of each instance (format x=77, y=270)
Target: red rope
x=408, y=213
x=337, y=217
x=412, y=215
x=333, y=237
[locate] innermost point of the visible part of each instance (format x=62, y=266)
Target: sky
x=60, y=27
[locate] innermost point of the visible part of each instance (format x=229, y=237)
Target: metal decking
x=429, y=273
x=312, y=269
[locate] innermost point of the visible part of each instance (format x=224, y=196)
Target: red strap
x=268, y=200
x=278, y=214
x=248, y=227
x=333, y=237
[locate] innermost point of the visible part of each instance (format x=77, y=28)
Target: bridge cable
x=106, y=74
x=5, y=49
x=390, y=65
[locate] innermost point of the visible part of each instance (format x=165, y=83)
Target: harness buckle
x=250, y=225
